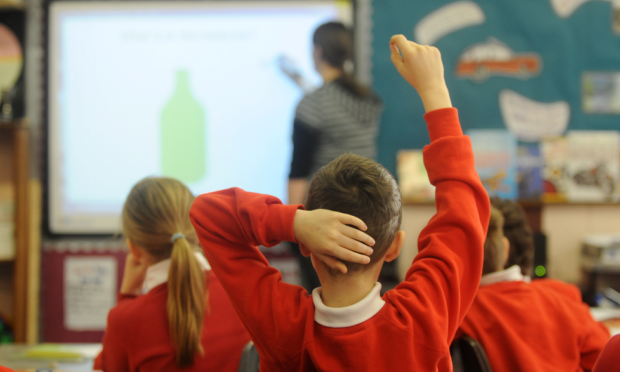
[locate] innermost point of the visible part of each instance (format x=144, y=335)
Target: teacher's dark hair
x=336, y=43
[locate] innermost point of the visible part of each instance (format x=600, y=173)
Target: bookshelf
x=15, y=175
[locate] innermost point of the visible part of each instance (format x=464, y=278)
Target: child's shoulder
x=569, y=290
x=130, y=311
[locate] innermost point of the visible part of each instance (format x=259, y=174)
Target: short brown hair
x=494, y=254
x=518, y=233
x=363, y=188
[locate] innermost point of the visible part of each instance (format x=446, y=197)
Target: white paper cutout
x=565, y=8
x=447, y=19
x=529, y=120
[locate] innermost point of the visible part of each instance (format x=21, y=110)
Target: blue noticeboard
x=519, y=65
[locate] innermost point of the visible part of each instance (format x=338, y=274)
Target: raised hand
x=327, y=235
x=422, y=67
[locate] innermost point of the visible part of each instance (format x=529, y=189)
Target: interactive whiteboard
x=190, y=90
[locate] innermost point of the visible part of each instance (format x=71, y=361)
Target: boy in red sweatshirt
x=528, y=327
x=346, y=325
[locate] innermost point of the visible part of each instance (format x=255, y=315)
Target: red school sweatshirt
x=410, y=328
x=609, y=360
x=137, y=336
x=534, y=327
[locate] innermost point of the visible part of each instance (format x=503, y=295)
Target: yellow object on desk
x=54, y=352
x=44, y=357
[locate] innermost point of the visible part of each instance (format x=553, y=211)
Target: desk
x=14, y=357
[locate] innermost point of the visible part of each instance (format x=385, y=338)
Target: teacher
x=342, y=116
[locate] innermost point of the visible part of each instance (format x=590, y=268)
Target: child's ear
x=506, y=249
x=134, y=250
x=395, y=247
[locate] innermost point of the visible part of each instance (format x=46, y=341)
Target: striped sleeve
x=309, y=111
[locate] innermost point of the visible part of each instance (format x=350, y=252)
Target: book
x=554, y=177
x=592, y=166
x=413, y=179
x=529, y=167
x=7, y=229
x=495, y=153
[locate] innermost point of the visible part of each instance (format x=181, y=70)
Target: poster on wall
x=530, y=163
x=90, y=291
x=495, y=153
x=554, y=155
x=593, y=166
x=413, y=180
x=600, y=92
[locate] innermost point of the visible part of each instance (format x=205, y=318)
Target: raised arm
x=443, y=279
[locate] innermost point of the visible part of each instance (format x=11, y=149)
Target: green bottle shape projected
x=183, y=152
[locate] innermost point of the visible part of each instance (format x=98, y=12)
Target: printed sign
x=90, y=292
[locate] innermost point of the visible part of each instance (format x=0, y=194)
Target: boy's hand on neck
x=326, y=235
x=422, y=67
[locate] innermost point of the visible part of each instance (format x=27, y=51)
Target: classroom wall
x=564, y=224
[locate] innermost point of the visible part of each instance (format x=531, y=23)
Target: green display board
x=535, y=67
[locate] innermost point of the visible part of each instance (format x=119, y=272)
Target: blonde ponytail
x=186, y=302
x=156, y=210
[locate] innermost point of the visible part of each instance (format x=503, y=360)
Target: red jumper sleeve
x=230, y=225
x=443, y=279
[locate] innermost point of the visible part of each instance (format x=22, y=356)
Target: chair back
x=250, y=360
x=469, y=356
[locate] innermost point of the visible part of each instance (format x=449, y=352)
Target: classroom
x=310, y=185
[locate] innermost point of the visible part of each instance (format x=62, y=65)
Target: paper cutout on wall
x=494, y=58
x=565, y=8
x=447, y=19
x=529, y=120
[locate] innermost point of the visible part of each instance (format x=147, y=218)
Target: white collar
x=511, y=274
x=341, y=317
x=158, y=273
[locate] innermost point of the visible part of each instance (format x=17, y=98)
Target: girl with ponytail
x=172, y=313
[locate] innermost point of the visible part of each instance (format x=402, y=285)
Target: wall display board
x=80, y=280
x=197, y=91
x=536, y=68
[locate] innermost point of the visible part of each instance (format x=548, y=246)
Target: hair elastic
x=176, y=236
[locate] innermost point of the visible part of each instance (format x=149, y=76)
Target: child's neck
x=346, y=290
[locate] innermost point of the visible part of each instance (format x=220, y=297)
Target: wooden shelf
x=12, y=125
x=16, y=135
x=7, y=6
